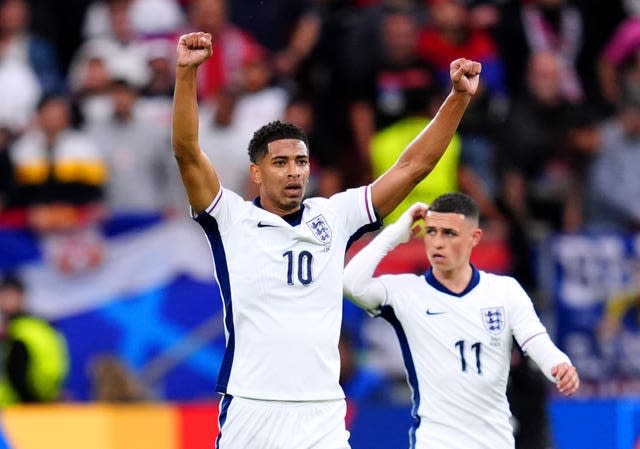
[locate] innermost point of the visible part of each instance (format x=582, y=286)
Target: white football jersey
x=457, y=352
x=281, y=285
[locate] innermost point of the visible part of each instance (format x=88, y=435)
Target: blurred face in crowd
x=124, y=99
x=300, y=113
x=448, y=15
x=256, y=75
x=399, y=34
x=54, y=115
x=544, y=78
x=630, y=119
x=11, y=301
x=14, y=16
x=121, y=21
x=209, y=15
x=96, y=76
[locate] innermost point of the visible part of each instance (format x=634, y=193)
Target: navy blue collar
x=431, y=280
x=294, y=219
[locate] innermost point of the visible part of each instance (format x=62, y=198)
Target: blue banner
x=596, y=290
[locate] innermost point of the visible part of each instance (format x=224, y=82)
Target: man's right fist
x=193, y=49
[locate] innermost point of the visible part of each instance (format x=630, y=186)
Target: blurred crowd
x=551, y=144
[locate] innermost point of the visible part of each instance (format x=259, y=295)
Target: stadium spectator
x=149, y=18
x=291, y=354
x=288, y=29
x=160, y=57
x=460, y=316
x=450, y=174
x=612, y=178
x=112, y=381
x=121, y=47
x=232, y=46
x=21, y=45
x=535, y=182
x=382, y=88
x=34, y=354
x=617, y=54
x=138, y=158
x=89, y=81
x=58, y=170
x=450, y=33
x=533, y=26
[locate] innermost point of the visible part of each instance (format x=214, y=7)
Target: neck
x=275, y=208
x=456, y=280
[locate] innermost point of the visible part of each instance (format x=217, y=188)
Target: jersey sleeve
x=355, y=208
x=531, y=334
x=525, y=322
x=224, y=208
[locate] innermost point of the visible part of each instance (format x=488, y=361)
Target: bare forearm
x=424, y=152
x=185, y=115
x=420, y=156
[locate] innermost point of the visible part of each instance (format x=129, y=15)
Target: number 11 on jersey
x=476, y=347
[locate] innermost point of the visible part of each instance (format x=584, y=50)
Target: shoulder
x=316, y=201
x=404, y=281
x=337, y=200
x=499, y=281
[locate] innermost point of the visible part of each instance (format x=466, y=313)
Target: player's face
x=282, y=174
x=449, y=239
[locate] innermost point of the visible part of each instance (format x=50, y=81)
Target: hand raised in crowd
x=465, y=75
x=193, y=49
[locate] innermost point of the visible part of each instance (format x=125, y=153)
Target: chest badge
x=493, y=319
x=320, y=229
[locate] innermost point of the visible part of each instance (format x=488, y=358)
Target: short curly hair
x=275, y=130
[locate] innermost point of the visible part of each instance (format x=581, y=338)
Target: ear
x=255, y=173
x=476, y=236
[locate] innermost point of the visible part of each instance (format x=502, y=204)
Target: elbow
x=185, y=151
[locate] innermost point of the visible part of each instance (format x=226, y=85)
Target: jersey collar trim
x=293, y=219
x=432, y=281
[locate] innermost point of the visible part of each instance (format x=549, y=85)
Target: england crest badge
x=493, y=319
x=320, y=229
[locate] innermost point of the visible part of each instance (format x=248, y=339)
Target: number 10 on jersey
x=300, y=265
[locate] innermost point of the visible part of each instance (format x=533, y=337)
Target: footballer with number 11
x=456, y=326
x=279, y=262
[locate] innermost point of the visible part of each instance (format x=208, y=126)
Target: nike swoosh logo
x=264, y=225
x=429, y=312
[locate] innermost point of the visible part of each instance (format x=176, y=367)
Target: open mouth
x=293, y=189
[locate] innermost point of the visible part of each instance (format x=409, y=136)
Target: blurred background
x=95, y=236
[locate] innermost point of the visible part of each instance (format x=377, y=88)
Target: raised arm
x=359, y=285
x=197, y=172
x=422, y=154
